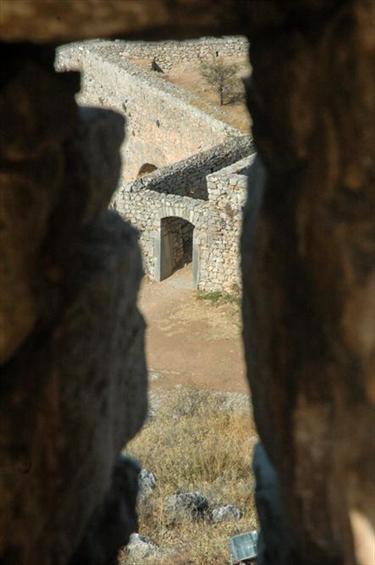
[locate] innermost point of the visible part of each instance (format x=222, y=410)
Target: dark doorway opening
x=176, y=245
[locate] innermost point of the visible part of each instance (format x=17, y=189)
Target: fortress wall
x=167, y=53
x=217, y=221
x=188, y=177
x=162, y=124
x=200, y=159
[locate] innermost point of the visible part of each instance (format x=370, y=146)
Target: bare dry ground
x=189, y=77
x=190, y=340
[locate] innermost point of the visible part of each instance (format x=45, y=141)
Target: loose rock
x=186, y=506
x=225, y=513
x=140, y=548
x=146, y=482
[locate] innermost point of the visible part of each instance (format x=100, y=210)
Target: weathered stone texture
x=168, y=54
x=163, y=124
x=211, y=202
x=309, y=269
x=73, y=378
x=54, y=20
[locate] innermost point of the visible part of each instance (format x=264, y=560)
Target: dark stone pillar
x=309, y=269
x=73, y=374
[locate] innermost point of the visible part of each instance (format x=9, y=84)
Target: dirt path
x=189, y=340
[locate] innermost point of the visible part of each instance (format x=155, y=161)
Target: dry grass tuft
x=193, y=443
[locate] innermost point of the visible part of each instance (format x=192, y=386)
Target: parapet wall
x=162, y=124
x=189, y=177
x=167, y=53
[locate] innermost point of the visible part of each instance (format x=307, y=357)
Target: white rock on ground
x=146, y=482
x=225, y=513
x=140, y=548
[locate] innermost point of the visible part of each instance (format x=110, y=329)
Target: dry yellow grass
x=193, y=443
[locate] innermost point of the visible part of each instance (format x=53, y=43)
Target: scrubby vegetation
x=196, y=440
x=218, y=297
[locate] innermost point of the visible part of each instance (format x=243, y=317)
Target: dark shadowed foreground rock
x=73, y=378
x=275, y=543
x=54, y=20
x=113, y=521
x=309, y=269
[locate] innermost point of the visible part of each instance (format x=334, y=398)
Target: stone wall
x=227, y=191
x=176, y=191
x=169, y=53
x=166, y=130
x=163, y=126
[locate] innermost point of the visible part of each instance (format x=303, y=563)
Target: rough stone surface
x=309, y=270
x=225, y=513
x=216, y=216
x=182, y=142
x=111, y=522
x=73, y=378
x=162, y=123
x=52, y=20
x=186, y=506
x=140, y=547
x=167, y=53
x=146, y=482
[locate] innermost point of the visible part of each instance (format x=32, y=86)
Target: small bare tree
x=223, y=78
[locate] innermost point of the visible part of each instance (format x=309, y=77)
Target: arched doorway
x=176, y=245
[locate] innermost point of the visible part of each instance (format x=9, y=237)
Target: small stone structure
x=189, y=209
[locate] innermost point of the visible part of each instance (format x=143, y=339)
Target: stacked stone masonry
x=197, y=177
x=163, y=125
x=167, y=53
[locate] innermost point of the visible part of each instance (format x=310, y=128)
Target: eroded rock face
x=73, y=378
x=309, y=270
